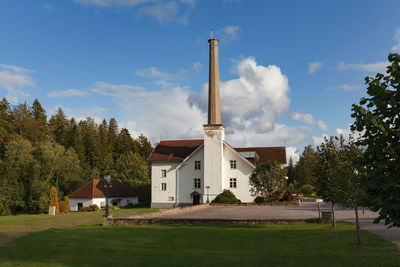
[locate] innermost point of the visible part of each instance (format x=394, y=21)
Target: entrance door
x=196, y=199
x=80, y=206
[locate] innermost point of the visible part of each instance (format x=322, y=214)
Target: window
x=197, y=183
x=164, y=186
x=170, y=198
x=197, y=164
x=163, y=173
x=233, y=164
x=102, y=204
x=232, y=182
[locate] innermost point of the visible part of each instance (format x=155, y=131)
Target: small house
x=94, y=192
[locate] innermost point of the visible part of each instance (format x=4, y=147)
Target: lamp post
x=107, y=185
x=208, y=191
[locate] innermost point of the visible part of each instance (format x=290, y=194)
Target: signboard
x=319, y=200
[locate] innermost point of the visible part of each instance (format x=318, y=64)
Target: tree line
x=37, y=153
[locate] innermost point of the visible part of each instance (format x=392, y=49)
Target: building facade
x=190, y=172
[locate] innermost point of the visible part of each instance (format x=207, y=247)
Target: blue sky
x=289, y=70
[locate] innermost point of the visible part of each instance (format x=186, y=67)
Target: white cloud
x=14, y=79
x=197, y=66
x=67, y=93
x=153, y=72
x=396, y=38
x=111, y=3
x=254, y=100
x=48, y=7
x=228, y=34
x=371, y=67
x=321, y=124
x=318, y=140
x=314, y=66
x=123, y=90
x=309, y=119
x=292, y=152
x=348, y=87
x=168, y=12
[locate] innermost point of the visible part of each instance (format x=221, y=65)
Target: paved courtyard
x=307, y=210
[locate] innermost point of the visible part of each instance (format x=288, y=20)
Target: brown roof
x=95, y=189
x=267, y=153
x=174, y=150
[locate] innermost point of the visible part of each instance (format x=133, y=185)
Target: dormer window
x=197, y=164
x=233, y=164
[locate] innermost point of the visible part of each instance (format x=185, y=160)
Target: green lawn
x=212, y=245
x=14, y=226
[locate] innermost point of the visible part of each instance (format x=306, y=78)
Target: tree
x=58, y=126
x=305, y=167
x=377, y=119
x=53, y=199
x=291, y=172
x=268, y=180
x=338, y=176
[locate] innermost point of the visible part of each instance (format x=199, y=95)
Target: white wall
x=241, y=173
x=157, y=195
x=73, y=202
x=186, y=175
x=213, y=154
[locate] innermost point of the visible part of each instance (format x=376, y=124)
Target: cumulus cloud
x=67, y=93
x=254, y=100
x=292, y=152
x=314, y=66
x=371, y=67
x=309, y=119
x=14, y=80
x=348, y=87
x=396, y=38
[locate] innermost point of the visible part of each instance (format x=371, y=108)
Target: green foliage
x=259, y=200
x=307, y=190
x=268, y=181
x=36, y=154
x=226, y=197
x=92, y=207
x=290, y=195
x=305, y=168
x=377, y=118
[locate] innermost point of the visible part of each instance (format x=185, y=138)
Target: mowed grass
x=14, y=226
x=212, y=245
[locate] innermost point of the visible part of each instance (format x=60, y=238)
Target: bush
x=307, y=190
x=259, y=200
x=53, y=199
x=288, y=195
x=92, y=207
x=226, y=197
x=64, y=207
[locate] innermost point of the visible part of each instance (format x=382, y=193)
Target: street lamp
x=107, y=185
x=208, y=192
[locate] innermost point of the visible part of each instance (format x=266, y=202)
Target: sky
x=289, y=70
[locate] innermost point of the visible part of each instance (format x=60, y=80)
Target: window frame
x=163, y=186
x=163, y=173
x=197, y=183
x=233, y=183
x=233, y=164
x=197, y=164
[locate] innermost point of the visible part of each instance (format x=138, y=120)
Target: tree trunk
x=333, y=215
x=358, y=227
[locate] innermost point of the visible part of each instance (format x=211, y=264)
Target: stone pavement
x=307, y=210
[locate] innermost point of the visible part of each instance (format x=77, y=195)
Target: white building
x=94, y=192
x=190, y=172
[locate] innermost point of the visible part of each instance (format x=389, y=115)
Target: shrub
x=66, y=199
x=226, y=197
x=259, y=200
x=130, y=205
x=63, y=206
x=53, y=199
x=113, y=207
x=92, y=207
x=289, y=195
x=307, y=190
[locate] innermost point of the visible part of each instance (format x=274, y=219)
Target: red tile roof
x=95, y=189
x=178, y=150
x=267, y=153
x=174, y=150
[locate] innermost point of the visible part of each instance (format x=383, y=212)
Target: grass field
x=12, y=227
x=213, y=245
